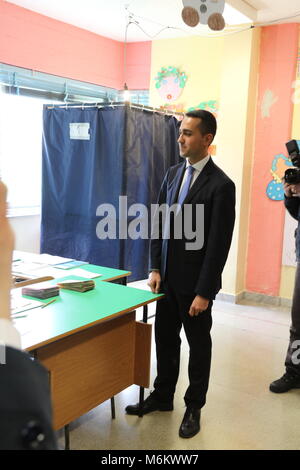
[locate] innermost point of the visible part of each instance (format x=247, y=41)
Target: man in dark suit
x=189, y=274
x=25, y=407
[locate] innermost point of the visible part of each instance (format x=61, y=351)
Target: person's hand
x=154, y=281
x=291, y=190
x=6, y=248
x=287, y=190
x=199, y=305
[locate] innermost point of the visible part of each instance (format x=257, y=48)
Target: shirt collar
x=199, y=165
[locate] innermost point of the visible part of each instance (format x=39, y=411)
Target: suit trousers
x=292, y=361
x=171, y=314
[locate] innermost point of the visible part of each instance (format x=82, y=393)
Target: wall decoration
x=274, y=189
x=174, y=108
x=204, y=11
x=269, y=99
x=216, y=22
x=211, y=105
x=170, y=83
x=190, y=16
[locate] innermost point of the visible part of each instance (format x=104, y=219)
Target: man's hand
x=291, y=190
x=6, y=248
x=199, y=305
x=154, y=281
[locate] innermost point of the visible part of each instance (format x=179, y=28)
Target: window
x=140, y=97
x=21, y=151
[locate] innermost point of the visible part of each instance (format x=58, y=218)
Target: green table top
x=75, y=311
x=107, y=274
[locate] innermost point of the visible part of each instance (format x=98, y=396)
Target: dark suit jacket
x=198, y=271
x=293, y=206
x=25, y=408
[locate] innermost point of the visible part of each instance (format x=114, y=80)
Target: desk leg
x=123, y=282
x=142, y=390
x=145, y=313
x=113, y=409
x=67, y=437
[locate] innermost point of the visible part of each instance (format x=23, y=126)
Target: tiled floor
x=249, y=346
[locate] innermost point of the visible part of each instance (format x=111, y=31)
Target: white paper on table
x=83, y=273
x=52, y=260
x=22, y=267
x=22, y=325
x=21, y=304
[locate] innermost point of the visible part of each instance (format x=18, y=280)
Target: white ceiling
x=157, y=19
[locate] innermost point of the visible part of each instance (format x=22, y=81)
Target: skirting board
x=255, y=297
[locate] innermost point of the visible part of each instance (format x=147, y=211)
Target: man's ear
x=209, y=139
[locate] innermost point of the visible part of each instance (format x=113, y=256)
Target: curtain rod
x=113, y=104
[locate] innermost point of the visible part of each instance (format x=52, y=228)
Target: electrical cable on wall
x=234, y=29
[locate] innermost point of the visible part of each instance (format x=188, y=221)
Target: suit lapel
x=201, y=181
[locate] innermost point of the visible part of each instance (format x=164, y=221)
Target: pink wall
x=138, y=65
x=34, y=41
x=279, y=48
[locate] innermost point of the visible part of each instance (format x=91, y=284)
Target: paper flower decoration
x=170, y=83
x=275, y=190
x=211, y=105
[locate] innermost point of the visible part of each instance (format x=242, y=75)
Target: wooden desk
x=91, y=345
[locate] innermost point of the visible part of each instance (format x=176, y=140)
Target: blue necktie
x=186, y=186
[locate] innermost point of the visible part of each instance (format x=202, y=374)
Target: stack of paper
x=41, y=290
x=78, y=286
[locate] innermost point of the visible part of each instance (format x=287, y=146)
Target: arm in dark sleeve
x=156, y=230
x=24, y=403
x=292, y=205
x=218, y=241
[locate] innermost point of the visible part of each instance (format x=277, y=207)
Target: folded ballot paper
x=41, y=290
x=78, y=286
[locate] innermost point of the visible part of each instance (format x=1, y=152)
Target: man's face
x=192, y=143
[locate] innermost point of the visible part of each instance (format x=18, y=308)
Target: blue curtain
x=126, y=153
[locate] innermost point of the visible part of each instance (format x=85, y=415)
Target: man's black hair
x=208, y=124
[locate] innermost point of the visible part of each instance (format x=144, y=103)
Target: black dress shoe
x=285, y=383
x=149, y=405
x=190, y=425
